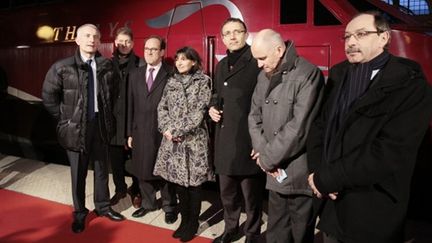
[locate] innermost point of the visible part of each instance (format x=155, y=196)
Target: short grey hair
x=88, y=25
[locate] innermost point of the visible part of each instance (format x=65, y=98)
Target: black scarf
x=356, y=83
x=235, y=55
x=124, y=63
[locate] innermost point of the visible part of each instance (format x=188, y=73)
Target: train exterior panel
x=33, y=38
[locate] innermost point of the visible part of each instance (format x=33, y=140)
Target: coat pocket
x=68, y=135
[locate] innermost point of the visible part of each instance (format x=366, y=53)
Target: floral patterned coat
x=181, y=111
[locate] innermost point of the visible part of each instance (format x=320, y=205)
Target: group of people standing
x=343, y=150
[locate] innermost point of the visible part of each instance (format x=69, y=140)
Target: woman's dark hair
x=192, y=55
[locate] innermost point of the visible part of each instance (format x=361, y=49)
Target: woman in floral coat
x=183, y=153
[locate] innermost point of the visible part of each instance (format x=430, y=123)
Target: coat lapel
x=161, y=75
x=142, y=83
x=240, y=65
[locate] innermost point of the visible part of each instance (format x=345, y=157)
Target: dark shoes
x=226, y=237
x=180, y=230
x=117, y=197
x=252, y=239
x=170, y=217
x=78, y=225
x=189, y=232
x=111, y=214
x=141, y=212
x=135, y=196
x=136, y=200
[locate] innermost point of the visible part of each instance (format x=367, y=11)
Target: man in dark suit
x=124, y=60
x=239, y=176
x=145, y=91
x=77, y=92
x=362, y=149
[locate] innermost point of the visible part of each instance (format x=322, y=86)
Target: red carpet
x=29, y=219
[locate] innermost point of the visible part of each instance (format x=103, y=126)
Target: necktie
x=90, y=92
x=150, y=78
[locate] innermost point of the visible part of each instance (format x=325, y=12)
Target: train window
x=413, y=7
x=363, y=6
x=293, y=11
x=322, y=16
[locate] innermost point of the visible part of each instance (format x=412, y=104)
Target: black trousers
x=118, y=157
x=96, y=153
x=289, y=219
x=232, y=190
x=148, y=194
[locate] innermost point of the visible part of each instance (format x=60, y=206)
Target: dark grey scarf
x=357, y=81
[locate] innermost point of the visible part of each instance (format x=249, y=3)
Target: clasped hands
x=169, y=136
x=274, y=173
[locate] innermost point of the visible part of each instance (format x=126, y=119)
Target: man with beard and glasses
x=362, y=148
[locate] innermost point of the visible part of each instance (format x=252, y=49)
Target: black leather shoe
x=252, y=239
x=170, y=217
x=78, y=225
x=226, y=237
x=111, y=214
x=141, y=212
x=117, y=197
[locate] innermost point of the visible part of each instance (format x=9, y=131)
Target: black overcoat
x=120, y=101
x=142, y=119
x=232, y=140
x=374, y=154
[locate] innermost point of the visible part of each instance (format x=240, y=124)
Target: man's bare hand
x=274, y=173
x=215, y=115
x=312, y=185
x=254, y=155
x=332, y=196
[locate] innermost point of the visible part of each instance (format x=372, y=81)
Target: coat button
x=284, y=72
x=222, y=126
x=275, y=102
x=267, y=101
x=275, y=133
x=225, y=83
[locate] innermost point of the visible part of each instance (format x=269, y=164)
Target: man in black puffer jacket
x=77, y=91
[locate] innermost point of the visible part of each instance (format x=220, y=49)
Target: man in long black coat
x=239, y=176
x=146, y=85
x=362, y=149
x=124, y=60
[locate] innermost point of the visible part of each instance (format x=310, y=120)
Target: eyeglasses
x=359, y=35
x=235, y=32
x=151, y=49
